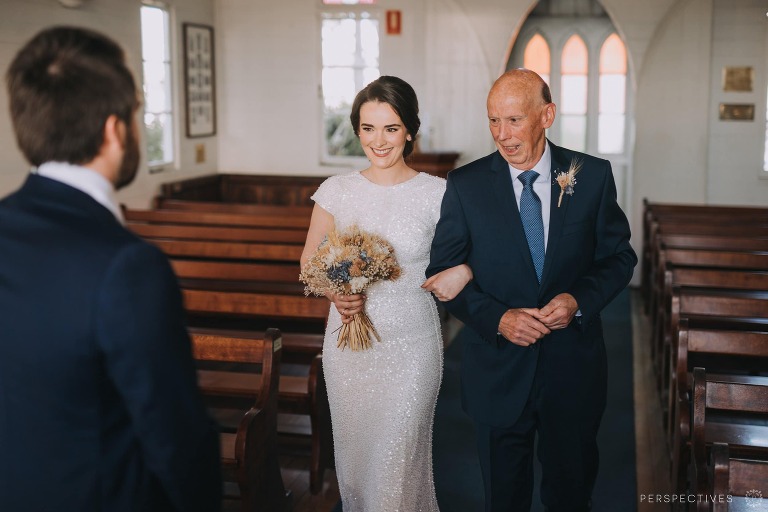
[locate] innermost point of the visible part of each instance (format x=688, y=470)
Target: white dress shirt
x=87, y=181
x=542, y=187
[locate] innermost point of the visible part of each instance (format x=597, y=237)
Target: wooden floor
x=651, y=452
x=296, y=478
x=652, y=455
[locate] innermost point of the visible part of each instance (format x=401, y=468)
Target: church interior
x=247, y=102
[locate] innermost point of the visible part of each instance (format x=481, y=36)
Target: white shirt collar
x=87, y=181
x=543, y=166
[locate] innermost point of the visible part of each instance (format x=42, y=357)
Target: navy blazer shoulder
x=99, y=408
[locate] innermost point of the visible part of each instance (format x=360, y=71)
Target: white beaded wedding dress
x=383, y=399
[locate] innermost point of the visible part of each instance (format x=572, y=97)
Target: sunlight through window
x=573, y=101
x=158, y=101
x=350, y=53
x=537, y=57
x=613, y=97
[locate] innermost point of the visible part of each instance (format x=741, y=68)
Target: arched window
x=537, y=57
x=613, y=98
x=573, y=101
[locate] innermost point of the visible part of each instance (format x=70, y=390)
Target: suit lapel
x=505, y=195
x=556, y=214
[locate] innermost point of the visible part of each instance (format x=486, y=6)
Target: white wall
x=21, y=19
x=270, y=81
x=268, y=77
x=672, y=110
x=735, y=169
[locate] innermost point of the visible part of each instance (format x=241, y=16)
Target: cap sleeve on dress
x=325, y=194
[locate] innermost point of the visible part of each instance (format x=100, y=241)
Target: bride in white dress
x=383, y=399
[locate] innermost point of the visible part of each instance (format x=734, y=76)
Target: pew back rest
x=722, y=393
x=719, y=303
x=285, y=220
x=718, y=278
x=245, y=348
x=739, y=480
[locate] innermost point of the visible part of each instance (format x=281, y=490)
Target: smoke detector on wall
x=71, y=3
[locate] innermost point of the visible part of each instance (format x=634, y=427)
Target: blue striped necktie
x=530, y=214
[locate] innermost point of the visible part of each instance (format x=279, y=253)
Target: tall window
x=158, y=99
x=613, y=97
x=350, y=53
x=537, y=57
x=573, y=101
x=765, y=154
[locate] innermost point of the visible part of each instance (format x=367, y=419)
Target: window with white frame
x=765, y=153
x=613, y=96
x=350, y=61
x=158, y=93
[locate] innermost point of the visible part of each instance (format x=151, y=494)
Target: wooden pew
x=221, y=250
x=694, y=220
x=674, y=258
x=724, y=347
x=260, y=278
x=163, y=203
x=286, y=220
x=697, y=242
x=248, y=454
x=733, y=258
x=737, y=479
x=222, y=233
x=689, y=276
x=225, y=288
x=297, y=394
x=747, y=436
x=735, y=305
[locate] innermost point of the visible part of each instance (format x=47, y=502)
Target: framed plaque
x=737, y=112
x=199, y=80
x=737, y=79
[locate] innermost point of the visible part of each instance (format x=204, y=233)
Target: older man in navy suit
x=99, y=406
x=549, y=248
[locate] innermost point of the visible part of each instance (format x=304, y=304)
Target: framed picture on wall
x=199, y=80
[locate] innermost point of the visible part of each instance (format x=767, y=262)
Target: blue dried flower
x=340, y=272
x=364, y=256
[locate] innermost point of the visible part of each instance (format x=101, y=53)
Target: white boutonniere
x=567, y=179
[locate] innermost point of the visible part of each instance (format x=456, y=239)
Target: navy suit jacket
x=99, y=406
x=588, y=255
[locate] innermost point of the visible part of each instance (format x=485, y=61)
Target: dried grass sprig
x=567, y=180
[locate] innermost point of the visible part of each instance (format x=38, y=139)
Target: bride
x=382, y=400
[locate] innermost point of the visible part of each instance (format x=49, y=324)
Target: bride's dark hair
x=399, y=95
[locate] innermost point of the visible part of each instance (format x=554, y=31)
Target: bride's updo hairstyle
x=396, y=93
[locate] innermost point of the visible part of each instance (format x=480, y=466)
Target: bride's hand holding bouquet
x=342, y=268
x=347, y=305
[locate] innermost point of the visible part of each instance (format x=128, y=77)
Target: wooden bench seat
x=697, y=220
x=285, y=220
x=746, y=306
x=737, y=479
x=220, y=207
x=256, y=304
x=723, y=346
x=248, y=453
x=224, y=233
x=711, y=394
x=305, y=395
x=227, y=250
x=696, y=277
